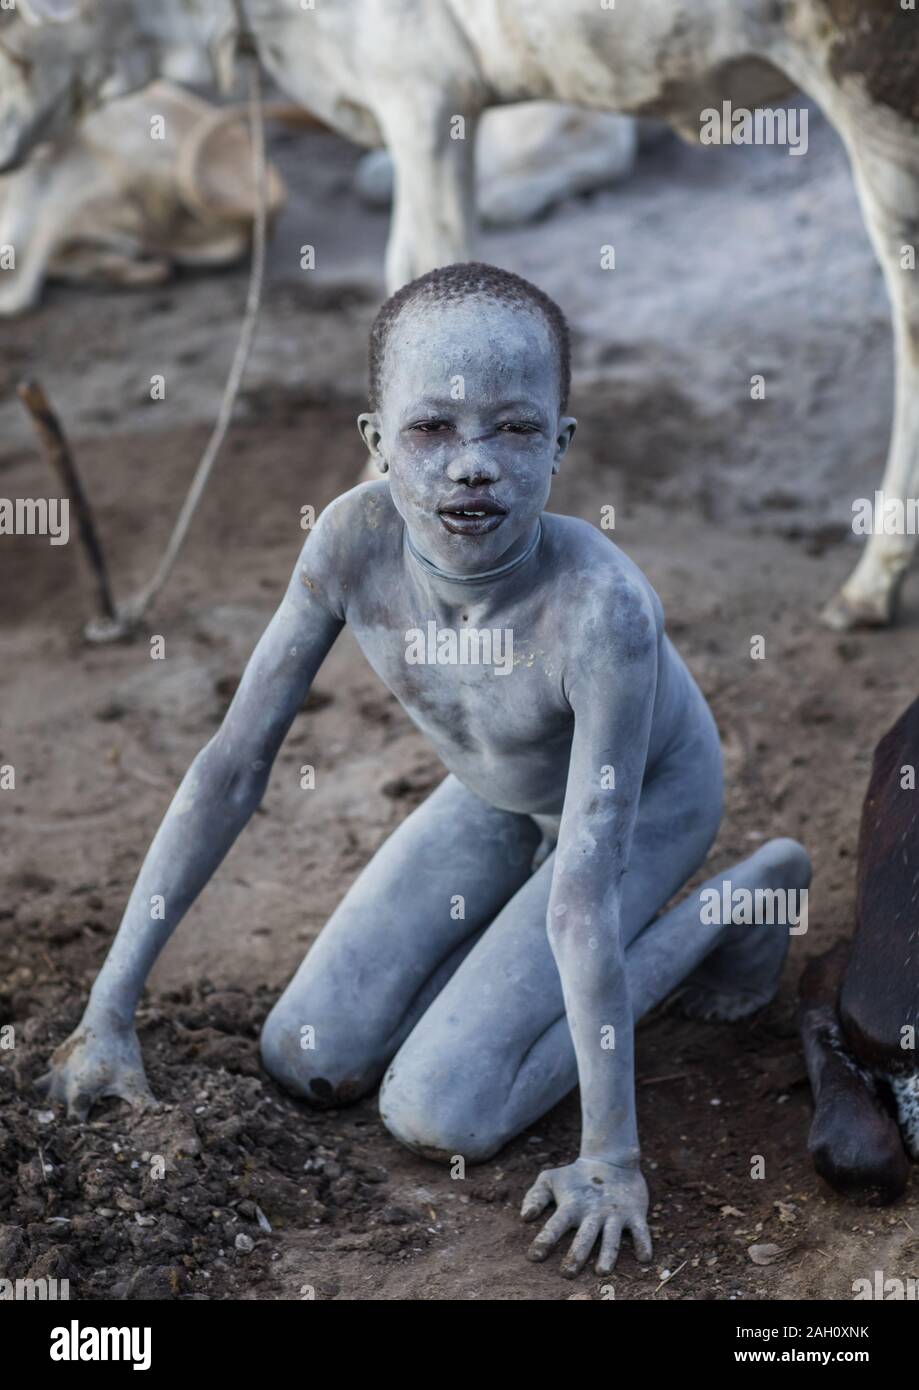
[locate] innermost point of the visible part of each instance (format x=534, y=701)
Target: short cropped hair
x=468, y=280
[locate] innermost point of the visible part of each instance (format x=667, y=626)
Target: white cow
x=110, y=203
x=412, y=74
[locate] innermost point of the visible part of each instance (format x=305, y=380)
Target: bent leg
x=400, y=931
x=494, y=1052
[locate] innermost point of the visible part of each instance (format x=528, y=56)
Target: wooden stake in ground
x=51, y=437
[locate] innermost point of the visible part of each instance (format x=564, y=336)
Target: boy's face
x=469, y=425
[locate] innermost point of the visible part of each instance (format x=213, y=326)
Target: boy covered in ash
x=583, y=788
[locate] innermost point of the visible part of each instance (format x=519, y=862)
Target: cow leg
x=40, y=205
x=854, y=1142
x=887, y=179
x=434, y=218
x=31, y=224
x=102, y=265
x=878, y=1005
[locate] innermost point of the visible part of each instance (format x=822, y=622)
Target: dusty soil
x=730, y=262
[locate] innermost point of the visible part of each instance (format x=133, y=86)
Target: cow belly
x=650, y=59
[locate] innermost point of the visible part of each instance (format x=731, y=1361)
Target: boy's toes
x=138, y=1096
x=79, y=1105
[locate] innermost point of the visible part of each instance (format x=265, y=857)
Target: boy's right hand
x=98, y=1059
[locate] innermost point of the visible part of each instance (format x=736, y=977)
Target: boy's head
x=469, y=379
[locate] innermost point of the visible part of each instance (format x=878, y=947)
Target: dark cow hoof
x=855, y=1144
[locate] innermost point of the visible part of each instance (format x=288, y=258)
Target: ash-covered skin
x=476, y=1022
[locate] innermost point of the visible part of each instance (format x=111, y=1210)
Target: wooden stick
x=51, y=437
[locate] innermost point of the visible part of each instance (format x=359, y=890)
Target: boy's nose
x=472, y=467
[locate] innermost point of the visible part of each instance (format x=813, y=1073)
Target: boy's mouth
x=472, y=516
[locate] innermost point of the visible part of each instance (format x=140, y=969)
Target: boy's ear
x=372, y=434
x=566, y=428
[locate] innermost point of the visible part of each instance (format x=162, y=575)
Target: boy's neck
x=524, y=549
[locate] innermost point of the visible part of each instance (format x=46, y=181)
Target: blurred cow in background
x=109, y=204
x=415, y=75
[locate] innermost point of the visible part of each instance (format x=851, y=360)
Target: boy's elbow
x=227, y=779
x=585, y=931
x=568, y=923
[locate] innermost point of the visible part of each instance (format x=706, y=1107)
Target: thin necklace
x=485, y=574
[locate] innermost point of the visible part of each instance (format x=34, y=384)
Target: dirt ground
x=728, y=263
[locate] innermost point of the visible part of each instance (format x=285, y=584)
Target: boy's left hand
x=596, y=1200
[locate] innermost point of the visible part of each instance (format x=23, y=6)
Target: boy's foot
x=742, y=975
x=739, y=978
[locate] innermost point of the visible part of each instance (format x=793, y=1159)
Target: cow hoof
x=854, y=1143
x=843, y=613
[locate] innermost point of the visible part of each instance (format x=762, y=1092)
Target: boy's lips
x=472, y=516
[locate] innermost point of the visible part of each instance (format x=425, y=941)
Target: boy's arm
x=612, y=694
x=218, y=795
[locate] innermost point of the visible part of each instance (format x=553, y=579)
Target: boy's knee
x=788, y=862
x=431, y=1115
x=312, y=1062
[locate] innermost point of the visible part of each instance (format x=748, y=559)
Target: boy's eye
x=517, y=427
x=430, y=426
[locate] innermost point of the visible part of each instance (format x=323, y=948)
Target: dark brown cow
x=859, y=1012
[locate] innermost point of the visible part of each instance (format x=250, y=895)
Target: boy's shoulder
x=351, y=533
x=612, y=616
x=362, y=513
x=594, y=564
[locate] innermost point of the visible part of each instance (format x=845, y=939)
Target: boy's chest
x=469, y=683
